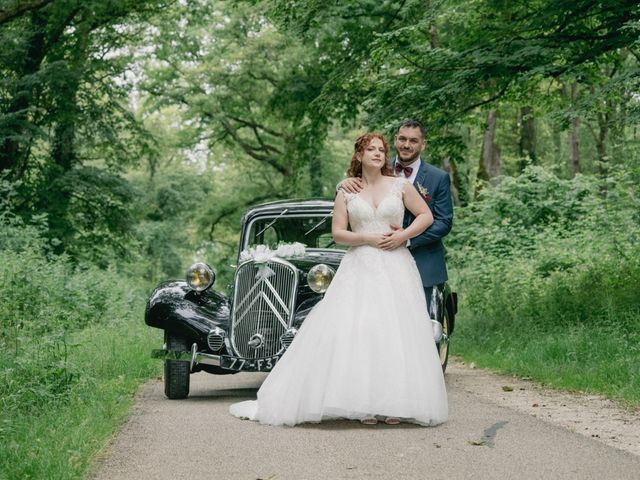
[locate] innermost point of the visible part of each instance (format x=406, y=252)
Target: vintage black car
x=286, y=261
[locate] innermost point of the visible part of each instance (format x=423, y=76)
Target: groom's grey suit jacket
x=427, y=248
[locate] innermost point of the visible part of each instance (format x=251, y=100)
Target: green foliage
x=45, y=299
x=241, y=90
x=445, y=58
x=73, y=349
x=539, y=212
x=517, y=213
x=547, y=269
x=62, y=89
x=136, y=133
x=90, y=214
x=572, y=64
x=166, y=227
x=58, y=414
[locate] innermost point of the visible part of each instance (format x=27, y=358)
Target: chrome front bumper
x=194, y=357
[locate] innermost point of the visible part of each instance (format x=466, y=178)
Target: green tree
x=63, y=107
x=242, y=90
x=442, y=61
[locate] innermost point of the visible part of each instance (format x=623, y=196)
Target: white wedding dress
x=367, y=347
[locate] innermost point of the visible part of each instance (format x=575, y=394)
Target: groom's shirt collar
x=415, y=165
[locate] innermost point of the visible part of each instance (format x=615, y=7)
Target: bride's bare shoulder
x=391, y=180
x=397, y=181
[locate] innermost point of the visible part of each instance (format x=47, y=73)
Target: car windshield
x=312, y=231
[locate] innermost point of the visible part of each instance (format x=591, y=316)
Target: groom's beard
x=408, y=161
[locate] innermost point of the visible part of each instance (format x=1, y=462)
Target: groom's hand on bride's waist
x=399, y=228
x=374, y=239
x=394, y=239
x=351, y=185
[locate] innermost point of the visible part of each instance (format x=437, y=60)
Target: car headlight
x=200, y=276
x=319, y=278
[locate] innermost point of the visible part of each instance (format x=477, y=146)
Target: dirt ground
x=498, y=425
x=590, y=415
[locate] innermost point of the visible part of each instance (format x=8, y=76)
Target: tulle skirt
x=366, y=349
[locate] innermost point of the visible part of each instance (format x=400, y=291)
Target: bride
x=366, y=351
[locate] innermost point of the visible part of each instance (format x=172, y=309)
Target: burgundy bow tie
x=407, y=170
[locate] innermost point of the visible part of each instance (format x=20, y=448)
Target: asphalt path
x=483, y=439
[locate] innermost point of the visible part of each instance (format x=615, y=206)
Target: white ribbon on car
x=262, y=254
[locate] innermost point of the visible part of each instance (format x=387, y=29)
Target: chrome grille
x=287, y=338
x=215, y=339
x=262, y=308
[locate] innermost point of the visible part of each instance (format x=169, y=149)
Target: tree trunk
x=527, y=144
x=574, y=147
x=575, y=166
x=449, y=166
x=63, y=152
x=315, y=175
x=601, y=145
x=433, y=34
x=19, y=122
x=489, y=167
x=15, y=11
x=16, y=119
x=603, y=117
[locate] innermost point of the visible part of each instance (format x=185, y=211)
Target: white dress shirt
x=415, y=165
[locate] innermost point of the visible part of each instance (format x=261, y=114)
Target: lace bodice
x=363, y=217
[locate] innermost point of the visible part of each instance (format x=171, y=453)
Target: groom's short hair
x=411, y=123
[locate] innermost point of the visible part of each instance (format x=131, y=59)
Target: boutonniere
x=425, y=193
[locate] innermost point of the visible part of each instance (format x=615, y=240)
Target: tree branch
x=264, y=77
x=251, y=150
x=21, y=7
x=264, y=145
x=256, y=125
x=232, y=208
x=488, y=100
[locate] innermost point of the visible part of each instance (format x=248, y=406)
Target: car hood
x=315, y=256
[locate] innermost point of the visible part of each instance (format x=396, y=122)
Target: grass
x=592, y=358
x=548, y=288
x=73, y=350
x=59, y=439
x=547, y=270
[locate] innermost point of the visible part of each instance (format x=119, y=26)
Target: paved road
x=197, y=438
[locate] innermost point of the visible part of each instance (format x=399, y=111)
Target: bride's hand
x=374, y=239
x=393, y=239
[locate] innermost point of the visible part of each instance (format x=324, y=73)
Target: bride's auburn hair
x=363, y=141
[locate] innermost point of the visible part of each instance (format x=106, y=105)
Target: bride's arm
x=416, y=205
x=340, y=224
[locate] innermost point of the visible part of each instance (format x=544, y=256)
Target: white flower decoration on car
x=290, y=250
x=263, y=254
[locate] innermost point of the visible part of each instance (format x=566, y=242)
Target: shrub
x=547, y=270
x=45, y=298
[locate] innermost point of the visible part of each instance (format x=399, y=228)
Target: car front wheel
x=176, y=372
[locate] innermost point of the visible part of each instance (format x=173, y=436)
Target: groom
x=433, y=185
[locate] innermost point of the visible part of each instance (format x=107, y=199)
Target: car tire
x=176, y=372
x=443, y=345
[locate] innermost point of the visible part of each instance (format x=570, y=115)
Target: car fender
x=175, y=307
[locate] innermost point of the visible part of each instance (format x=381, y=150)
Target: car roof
x=311, y=206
